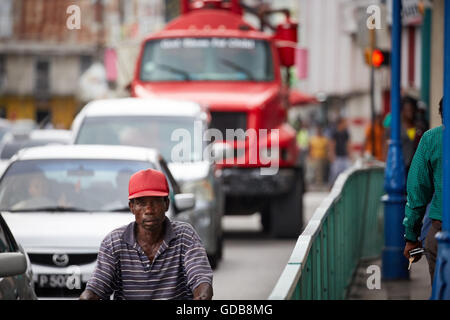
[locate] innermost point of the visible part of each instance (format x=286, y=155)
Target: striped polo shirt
x=123, y=268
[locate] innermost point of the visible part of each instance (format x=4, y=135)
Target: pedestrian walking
x=421, y=123
x=340, y=149
x=318, y=156
x=410, y=133
x=302, y=140
x=424, y=187
x=152, y=257
x=374, y=143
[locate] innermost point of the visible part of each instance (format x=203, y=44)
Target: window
x=68, y=184
x=42, y=79
x=143, y=131
x=207, y=59
x=85, y=63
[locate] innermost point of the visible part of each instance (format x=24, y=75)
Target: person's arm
x=102, y=282
x=198, y=270
x=89, y=295
x=420, y=189
x=203, y=291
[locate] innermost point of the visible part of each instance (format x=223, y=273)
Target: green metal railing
x=347, y=227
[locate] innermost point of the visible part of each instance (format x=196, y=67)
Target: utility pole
x=394, y=264
x=372, y=88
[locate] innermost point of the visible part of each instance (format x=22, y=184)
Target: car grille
x=228, y=120
x=74, y=259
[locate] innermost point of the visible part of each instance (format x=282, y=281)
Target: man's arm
x=198, y=270
x=420, y=189
x=88, y=295
x=203, y=291
x=103, y=280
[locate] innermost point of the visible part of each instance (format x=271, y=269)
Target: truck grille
x=228, y=120
x=74, y=259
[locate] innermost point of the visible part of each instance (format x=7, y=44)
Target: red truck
x=211, y=55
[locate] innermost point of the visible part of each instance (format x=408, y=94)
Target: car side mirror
x=184, y=201
x=12, y=264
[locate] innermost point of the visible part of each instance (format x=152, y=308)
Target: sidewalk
x=418, y=287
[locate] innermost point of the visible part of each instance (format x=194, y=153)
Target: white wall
x=19, y=74
x=64, y=74
x=336, y=65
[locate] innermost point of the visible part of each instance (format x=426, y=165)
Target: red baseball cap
x=146, y=183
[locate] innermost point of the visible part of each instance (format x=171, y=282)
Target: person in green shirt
x=424, y=187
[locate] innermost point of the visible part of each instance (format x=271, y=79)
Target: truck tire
x=286, y=211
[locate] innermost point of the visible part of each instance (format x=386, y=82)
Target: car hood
x=66, y=232
x=239, y=96
x=189, y=171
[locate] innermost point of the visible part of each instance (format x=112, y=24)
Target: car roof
x=142, y=106
x=51, y=134
x=108, y=152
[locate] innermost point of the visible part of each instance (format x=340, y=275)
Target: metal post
x=441, y=279
x=372, y=91
x=394, y=264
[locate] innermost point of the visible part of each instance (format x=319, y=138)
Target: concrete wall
x=19, y=74
x=64, y=75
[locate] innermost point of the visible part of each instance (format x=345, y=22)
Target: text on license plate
x=69, y=281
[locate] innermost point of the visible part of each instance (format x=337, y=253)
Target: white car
x=160, y=124
x=61, y=201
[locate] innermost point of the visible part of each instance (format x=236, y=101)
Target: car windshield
x=210, y=59
x=166, y=134
x=68, y=185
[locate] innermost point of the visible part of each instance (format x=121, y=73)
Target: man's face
x=149, y=211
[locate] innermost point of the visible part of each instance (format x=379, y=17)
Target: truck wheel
x=286, y=211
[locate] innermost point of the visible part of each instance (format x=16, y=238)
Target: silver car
x=161, y=124
x=61, y=201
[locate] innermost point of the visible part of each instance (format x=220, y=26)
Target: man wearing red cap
x=152, y=257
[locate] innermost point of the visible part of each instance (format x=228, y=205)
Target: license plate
x=57, y=280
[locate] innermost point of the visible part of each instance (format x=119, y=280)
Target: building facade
x=48, y=46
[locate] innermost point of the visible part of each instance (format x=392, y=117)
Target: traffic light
x=377, y=57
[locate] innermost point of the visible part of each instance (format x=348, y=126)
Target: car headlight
x=202, y=189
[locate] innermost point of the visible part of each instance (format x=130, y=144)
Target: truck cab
x=211, y=55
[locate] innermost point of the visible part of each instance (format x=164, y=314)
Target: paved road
x=253, y=262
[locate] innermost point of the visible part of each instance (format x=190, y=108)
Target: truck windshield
x=206, y=59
